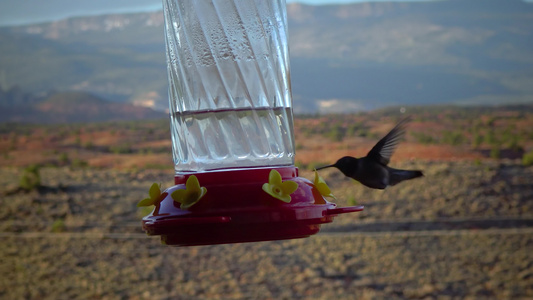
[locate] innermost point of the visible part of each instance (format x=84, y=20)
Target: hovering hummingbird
x=372, y=170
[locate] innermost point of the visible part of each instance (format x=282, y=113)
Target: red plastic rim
x=236, y=209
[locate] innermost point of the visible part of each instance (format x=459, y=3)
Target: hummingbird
x=372, y=170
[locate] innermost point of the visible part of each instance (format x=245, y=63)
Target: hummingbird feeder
x=232, y=130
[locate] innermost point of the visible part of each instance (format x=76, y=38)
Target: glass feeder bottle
x=229, y=84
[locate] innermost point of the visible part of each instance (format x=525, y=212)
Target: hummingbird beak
x=328, y=166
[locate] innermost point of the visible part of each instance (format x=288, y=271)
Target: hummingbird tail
x=397, y=176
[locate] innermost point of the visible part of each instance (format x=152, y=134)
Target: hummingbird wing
x=384, y=149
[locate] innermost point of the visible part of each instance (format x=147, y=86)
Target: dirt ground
x=464, y=231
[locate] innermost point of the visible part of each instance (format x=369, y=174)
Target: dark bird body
x=373, y=170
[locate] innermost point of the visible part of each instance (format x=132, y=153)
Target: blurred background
x=345, y=57
x=84, y=132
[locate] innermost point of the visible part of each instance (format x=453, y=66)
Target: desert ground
x=70, y=227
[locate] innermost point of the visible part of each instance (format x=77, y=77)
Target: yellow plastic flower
x=322, y=187
x=155, y=196
x=278, y=189
x=191, y=194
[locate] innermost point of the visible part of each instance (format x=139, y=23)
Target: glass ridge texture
x=229, y=84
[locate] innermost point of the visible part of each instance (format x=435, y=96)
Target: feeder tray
x=236, y=209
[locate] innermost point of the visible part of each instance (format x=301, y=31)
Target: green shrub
x=58, y=226
x=477, y=140
x=423, y=138
x=336, y=133
x=527, y=159
x=121, y=149
x=158, y=166
x=351, y=200
x=31, y=178
x=79, y=163
x=495, y=153
x=88, y=145
x=514, y=144
x=490, y=138
x=63, y=158
x=356, y=129
x=453, y=138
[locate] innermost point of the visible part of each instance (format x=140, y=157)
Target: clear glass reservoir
x=229, y=84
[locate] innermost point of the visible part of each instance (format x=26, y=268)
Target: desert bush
x=527, y=159
x=88, y=145
x=336, y=133
x=31, y=178
x=477, y=140
x=79, y=163
x=423, y=138
x=495, y=153
x=514, y=143
x=453, y=138
x=158, y=166
x=351, y=200
x=358, y=129
x=491, y=121
x=490, y=138
x=58, y=226
x=63, y=158
x=121, y=149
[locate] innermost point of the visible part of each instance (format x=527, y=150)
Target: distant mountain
x=343, y=57
x=118, y=57
x=67, y=107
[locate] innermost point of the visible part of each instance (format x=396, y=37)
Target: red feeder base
x=236, y=209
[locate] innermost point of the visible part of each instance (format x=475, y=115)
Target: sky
x=17, y=12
